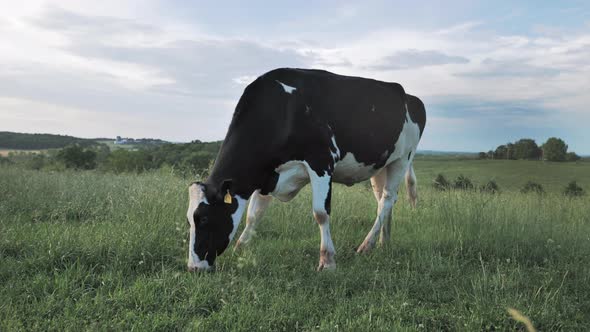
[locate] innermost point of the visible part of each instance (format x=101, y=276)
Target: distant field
x=113, y=146
x=91, y=251
x=509, y=174
x=5, y=152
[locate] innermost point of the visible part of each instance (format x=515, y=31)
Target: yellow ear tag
x=227, y=198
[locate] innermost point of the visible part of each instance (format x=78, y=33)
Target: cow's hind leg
x=394, y=174
x=378, y=183
x=321, y=187
x=256, y=208
x=411, y=185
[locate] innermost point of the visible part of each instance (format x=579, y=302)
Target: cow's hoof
x=364, y=248
x=326, y=267
x=327, y=261
x=192, y=268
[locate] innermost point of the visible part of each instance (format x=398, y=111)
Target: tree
x=501, y=152
x=482, y=155
x=527, y=148
x=572, y=156
x=554, y=149
x=74, y=156
x=510, y=151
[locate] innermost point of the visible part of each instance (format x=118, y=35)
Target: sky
x=488, y=72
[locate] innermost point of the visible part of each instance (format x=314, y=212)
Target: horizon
x=488, y=73
x=220, y=140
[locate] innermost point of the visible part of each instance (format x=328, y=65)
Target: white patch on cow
x=335, y=155
x=320, y=186
x=287, y=88
x=292, y=177
x=407, y=141
x=349, y=171
x=256, y=207
x=237, y=216
x=196, y=197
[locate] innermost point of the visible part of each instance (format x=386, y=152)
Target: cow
x=292, y=127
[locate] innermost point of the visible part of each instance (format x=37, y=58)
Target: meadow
x=93, y=251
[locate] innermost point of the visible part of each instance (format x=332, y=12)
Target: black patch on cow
x=409, y=155
x=417, y=112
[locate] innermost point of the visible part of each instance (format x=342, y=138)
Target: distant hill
x=22, y=141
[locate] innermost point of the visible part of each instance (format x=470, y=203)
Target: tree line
x=188, y=158
x=554, y=149
x=20, y=141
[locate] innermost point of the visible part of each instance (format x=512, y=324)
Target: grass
x=89, y=251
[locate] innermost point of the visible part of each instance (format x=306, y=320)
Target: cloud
x=124, y=69
x=510, y=68
x=180, y=74
x=416, y=59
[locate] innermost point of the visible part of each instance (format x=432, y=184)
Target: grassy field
x=510, y=175
x=111, y=144
x=89, y=251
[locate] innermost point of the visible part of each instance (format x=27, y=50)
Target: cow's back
x=365, y=116
x=311, y=115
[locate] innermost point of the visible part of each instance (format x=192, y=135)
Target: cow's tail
x=411, y=185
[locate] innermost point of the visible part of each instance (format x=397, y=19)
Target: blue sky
x=489, y=72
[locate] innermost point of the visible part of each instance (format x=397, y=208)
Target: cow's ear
x=226, y=185
x=225, y=191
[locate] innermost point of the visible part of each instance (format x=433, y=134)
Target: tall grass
x=81, y=250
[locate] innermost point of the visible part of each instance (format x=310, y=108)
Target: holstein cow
x=297, y=126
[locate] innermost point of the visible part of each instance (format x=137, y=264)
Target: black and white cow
x=292, y=127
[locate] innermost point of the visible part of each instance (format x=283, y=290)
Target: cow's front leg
x=321, y=187
x=257, y=206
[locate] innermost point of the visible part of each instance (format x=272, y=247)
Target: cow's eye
x=204, y=221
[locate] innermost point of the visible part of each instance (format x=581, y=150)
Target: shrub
x=463, y=183
x=441, y=183
x=74, y=156
x=572, y=156
x=532, y=187
x=36, y=161
x=490, y=187
x=573, y=190
x=4, y=160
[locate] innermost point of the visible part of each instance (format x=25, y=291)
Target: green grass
x=89, y=251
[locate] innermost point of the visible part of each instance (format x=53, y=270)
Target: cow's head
x=213, y=215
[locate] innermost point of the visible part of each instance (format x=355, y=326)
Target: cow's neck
x=246, y=171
